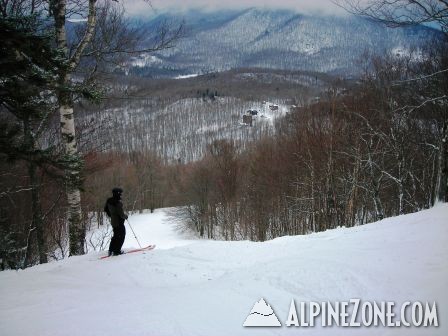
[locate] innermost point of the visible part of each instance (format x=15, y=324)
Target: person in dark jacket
x=114, y=209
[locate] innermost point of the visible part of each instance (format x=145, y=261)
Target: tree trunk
x=65, y=100
x=36, y=209
x=76, y=224
x=441, y=189
x=37, y=214
x=353, y=194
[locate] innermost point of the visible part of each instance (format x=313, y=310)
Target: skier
x=114, y=209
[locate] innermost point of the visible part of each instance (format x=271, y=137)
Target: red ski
x=147, y=248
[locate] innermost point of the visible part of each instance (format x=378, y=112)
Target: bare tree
x=399, y=13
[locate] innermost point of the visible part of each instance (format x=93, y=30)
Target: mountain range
x=275, y=39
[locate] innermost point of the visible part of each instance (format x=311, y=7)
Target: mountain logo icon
x=262, y=315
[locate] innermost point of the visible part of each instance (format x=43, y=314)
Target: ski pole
x=129, y=223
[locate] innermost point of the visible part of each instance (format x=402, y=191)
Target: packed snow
x=200, y=287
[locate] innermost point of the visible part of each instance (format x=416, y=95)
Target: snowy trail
x=209, y=287
x=154, y=228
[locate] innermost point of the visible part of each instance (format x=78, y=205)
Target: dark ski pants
x=118, y=239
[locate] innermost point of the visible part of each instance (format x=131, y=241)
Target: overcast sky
x=139, y=7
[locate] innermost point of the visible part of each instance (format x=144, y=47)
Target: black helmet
x=117, y=191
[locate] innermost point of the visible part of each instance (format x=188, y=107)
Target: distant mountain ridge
x=275, y=39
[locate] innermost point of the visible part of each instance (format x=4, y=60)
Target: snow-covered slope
x=184, y=128
x=209, y=287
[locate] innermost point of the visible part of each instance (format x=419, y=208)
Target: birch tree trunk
x=73, y=178
x=65, y=100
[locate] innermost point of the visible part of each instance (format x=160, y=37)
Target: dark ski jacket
x=114, y=209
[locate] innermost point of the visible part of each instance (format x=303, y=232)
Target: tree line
x=373, y=152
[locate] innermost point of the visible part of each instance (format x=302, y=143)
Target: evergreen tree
x=27, y=75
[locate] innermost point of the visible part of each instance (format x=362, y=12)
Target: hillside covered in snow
x=275, y=39
x=200, y=287
x=178, y=118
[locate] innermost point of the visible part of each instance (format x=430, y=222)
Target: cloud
x=140, y=8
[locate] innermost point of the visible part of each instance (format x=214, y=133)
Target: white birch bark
x=66, y=112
